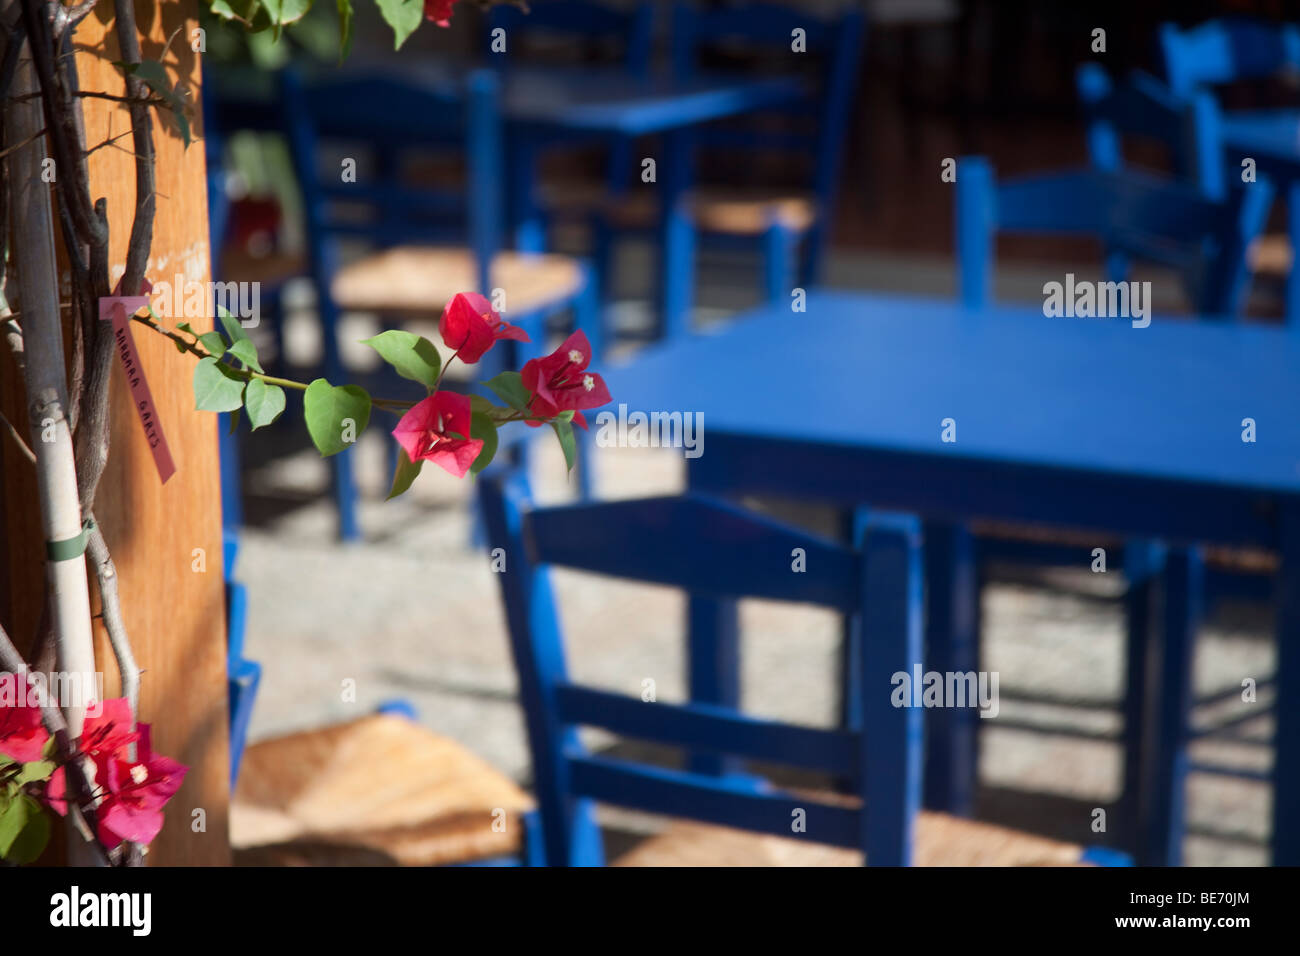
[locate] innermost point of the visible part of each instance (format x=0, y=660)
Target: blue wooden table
x=1076, y=423
x=547, y=103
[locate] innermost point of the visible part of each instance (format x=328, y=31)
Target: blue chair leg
x=813, y=259
x=891, y=747
x=1144, y=563
x=232, y=502
x=676, y=238
x=1286, y=736
x=713, y=675
x=1183, y=596
x=952, y=646
x=779, y=247
x=1292, y=315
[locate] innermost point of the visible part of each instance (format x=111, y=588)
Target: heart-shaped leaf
x=336, y=415
x=509, y=387
x=264, y=403
x=413, y=356
x=217, y=387
x=246, y=352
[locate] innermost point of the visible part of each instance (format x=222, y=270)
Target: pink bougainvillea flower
x=439, y=11
x=560, y=381
x=134, y=793
x=437, y=430
x=22, y=735
x=471, y=326
x=106, y=733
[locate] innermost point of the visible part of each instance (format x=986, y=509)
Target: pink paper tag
x=118, y=309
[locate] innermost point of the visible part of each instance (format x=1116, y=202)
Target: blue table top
x=604, y=100
x=881, y=372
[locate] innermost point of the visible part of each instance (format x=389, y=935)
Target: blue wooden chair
x=242, y=675
x=1227, y=50
x=417, y=257
x=779, y=221
x=627, y=36
x=1137, y=217
x=720, y=552
x=1230, y=50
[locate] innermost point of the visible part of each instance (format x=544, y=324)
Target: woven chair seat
x=379, y=790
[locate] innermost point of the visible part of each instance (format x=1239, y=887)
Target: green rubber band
x=70, y=548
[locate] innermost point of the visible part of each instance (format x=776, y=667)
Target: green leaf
x=481, y=406
x=234, y=330
x=264, y=403
x=404, y=474
x=24, y=830
x=509, y=387
x=242, y=10
x=284, y=12
x=403, y=16
x=217, y=387
x=328, y=408
x=246, y=352
x=35, y=770
x=413, y=356
x=569, y=445
x=482, y=426
x=345, y=29
x=214, y=343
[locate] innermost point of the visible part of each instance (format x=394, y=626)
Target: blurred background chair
x=1136, y=216
x=413, y=247
x=802, y=142
x=717, y=550
x=1237, y=51
x=564, y=32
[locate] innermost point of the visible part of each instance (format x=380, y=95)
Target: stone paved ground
x=413, y=612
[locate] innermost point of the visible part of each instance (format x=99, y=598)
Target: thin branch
x=18, y=439
x=111, y=607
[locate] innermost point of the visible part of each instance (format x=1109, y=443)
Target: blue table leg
x=891, y=757
x=952, y=646
x=676, y=237
x=1184, y=586
x=1286, y=758
x=1144, y=563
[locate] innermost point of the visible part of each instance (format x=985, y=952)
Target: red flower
x=471, y=327
x=560, y=381
x=430, y=430
x=131, y=793
x=134, y=793
x=439, y=11
x=22, y=735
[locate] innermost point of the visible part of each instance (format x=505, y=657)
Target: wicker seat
x=1270, y=255
x=380, y=790
x=941, y=840
x=727, y=211
x=418, y=280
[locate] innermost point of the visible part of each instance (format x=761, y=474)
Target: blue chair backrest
x=1225, y=51
x=1143, y=108
x=630, y=31
x=374, y=108
x=715, y=550
x=1134, y=215
x=834, y=45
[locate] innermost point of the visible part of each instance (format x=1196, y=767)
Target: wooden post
x=166, y=539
